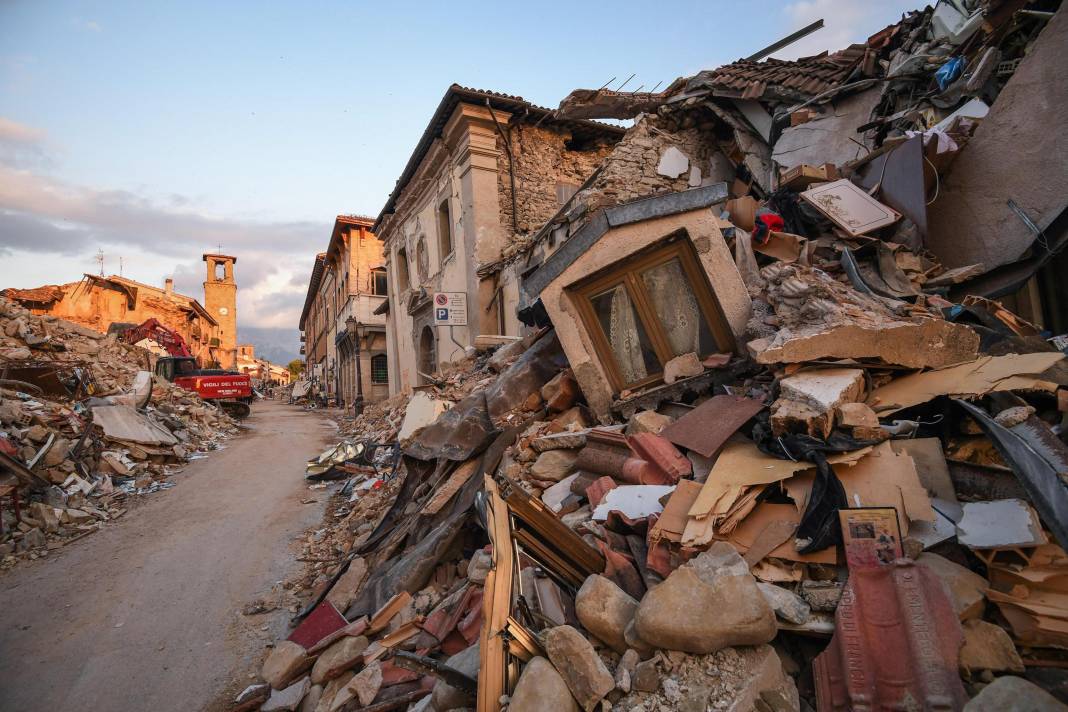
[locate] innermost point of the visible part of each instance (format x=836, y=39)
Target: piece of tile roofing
x=895, y=646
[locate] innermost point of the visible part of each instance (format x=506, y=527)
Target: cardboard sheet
x=747, y=532
x=882, y=479
x=984, y=375
x=672, y=521
x=742, y=464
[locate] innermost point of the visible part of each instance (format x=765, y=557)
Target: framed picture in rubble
x=872, y=536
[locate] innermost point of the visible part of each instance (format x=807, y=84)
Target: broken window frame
x=628, y=273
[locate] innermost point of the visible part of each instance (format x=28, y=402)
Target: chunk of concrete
x=366, y=684
x=965, y=588
x=311, y=700
x=682, y=367
x=554, y=465
x=575, y=659
x=422, y=410
x=932, y=343
x=347, y=587
x=1014, y=694
x=604, y=609
x=824, y=389
x=988, y=647
x=707, y=604
x=287, y=700
x=338, y=658
x=282, y=665
x=648, y=421
x=331, y=690
x=541, y=688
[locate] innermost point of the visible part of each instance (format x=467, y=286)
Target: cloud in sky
x=46, y=217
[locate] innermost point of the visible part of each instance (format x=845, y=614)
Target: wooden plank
x=496, y=604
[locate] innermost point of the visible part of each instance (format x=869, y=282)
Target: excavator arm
x=169, y=339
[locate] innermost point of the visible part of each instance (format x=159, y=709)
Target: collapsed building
x=786, y=430
x=106, y=303
x=85, y=427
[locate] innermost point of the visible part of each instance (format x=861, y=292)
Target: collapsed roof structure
x=771, y=442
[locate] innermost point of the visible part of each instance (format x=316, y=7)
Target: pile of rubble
x=857, y=501
x=83, y=426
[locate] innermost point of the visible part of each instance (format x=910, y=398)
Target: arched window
x=379, y=369
x=428, y=357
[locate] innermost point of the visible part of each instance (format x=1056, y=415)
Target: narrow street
x=146, y=614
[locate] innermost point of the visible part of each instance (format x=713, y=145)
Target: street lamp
x=351, y=324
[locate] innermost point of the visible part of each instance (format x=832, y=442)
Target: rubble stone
x=577, y=662
x=288, y=699
x=554, y=465
x=347, y=587
x=646, y=676
x=541, y=688
x=366, y=684
x=560, y=392
x=331, y=690
x=311, y=700
x=822, y=596
x=709, y=603
x=284, y=662
x=988, y=647
x=786, y=604
x=682, y=367
x=1014, y=694
x=339, y=657
x=648, y=421
x=605, y=610
x=965, y=588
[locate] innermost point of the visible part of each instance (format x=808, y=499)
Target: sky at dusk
x=156, y=131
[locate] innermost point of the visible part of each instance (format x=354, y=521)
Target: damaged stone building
x=488, y=171
x=343, y=332
x=99, y=303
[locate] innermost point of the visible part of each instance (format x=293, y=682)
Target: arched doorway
x=428, y=354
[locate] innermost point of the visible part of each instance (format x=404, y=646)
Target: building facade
x=342, y=325
x=489, y=170
x=98, y=302
x=262, y=371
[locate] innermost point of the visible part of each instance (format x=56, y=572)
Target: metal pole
x=358, y=404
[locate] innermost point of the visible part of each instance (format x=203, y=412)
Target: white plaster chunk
x=634, y=501
x=673, y=163
x=695, y=176
x=1001, y=523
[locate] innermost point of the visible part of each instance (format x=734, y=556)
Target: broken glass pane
x=674, y=301
x=626, y=335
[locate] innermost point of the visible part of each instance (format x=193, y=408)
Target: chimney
x=168, y=286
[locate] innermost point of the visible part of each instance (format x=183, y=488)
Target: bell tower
x=220, y=299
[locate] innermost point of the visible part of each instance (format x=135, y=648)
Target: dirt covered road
x=146, y=614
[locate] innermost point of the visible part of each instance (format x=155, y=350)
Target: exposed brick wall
x=542, y=159
x=631, y=169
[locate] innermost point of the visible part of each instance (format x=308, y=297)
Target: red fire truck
x=230, y=390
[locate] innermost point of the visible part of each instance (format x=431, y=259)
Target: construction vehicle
x=230, y=390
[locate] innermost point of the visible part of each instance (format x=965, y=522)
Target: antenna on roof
x=120, y=265
x=100, y=260
x=620, y=87
x=220, y=249
x=785, y=41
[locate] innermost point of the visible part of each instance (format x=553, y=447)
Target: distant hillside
x=279, y=346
